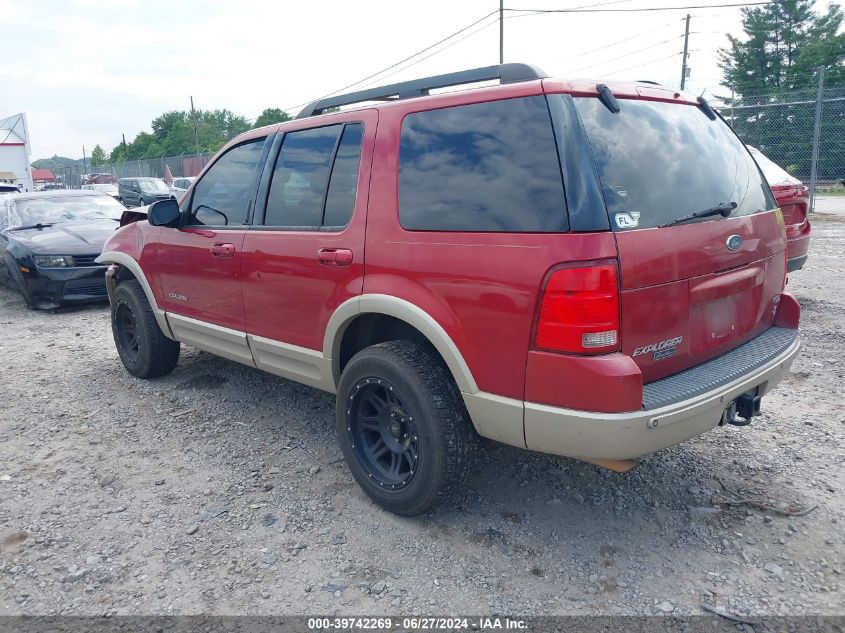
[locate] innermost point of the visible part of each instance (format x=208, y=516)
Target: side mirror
x=164, y=213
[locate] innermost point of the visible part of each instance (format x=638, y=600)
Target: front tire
x=18, y=280
x=144, y=349
x=403, y=427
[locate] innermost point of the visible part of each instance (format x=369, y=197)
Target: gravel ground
x=219, y=489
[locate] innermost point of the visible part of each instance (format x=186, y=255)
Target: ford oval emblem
x=734, y=242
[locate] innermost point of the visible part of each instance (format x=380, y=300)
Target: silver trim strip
x=209, y=337
x=293, y=362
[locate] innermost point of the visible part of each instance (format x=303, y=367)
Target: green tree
x=272, y=115
x=98, y=156
x=773, y=71
x=784, y=43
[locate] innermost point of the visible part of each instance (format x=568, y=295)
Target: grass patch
x=825, y=217
x=833, y=190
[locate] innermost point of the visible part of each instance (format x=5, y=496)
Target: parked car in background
x=138, y=192
x=793, y=198
x=106, y=188
x=181, y=185
x=100, y=179
x=49, y=242
x=590, y=270
x=6, y=187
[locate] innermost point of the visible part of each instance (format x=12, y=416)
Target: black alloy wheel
x=126, y=331
x=383, y=433
x=402, y=425
x=144, y=349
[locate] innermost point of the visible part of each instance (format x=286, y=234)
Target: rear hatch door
x=692, y=289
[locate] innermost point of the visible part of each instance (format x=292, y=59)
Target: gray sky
x=85, y=71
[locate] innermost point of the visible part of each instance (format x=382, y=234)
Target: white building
x=15, y=152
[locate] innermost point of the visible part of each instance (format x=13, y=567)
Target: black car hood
x=67, y=238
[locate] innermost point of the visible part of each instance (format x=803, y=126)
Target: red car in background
x=793, y=198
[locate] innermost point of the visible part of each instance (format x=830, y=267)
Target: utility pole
x=84, y=161
x=686, y=48
x=817, y=127
x=194, y=119
x=501, y=31
x=124, y=147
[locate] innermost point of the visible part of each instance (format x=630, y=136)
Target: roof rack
x=505, y=73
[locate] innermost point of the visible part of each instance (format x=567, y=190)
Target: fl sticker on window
x=628, y=220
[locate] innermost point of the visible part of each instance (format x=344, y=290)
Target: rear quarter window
x=658, y=161
x=482, y=167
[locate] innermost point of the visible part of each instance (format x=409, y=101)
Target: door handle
x=335, y=256
x=223, y=250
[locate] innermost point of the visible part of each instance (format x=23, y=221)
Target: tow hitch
x=740, y=411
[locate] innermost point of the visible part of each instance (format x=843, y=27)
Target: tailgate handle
x=725, y=285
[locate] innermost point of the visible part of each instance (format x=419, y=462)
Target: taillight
x=580, y=310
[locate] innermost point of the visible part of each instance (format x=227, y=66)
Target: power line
x=529, y=12
x=422, y=59
x=470, y=34
x=683, y=8
x=441, y=41
x=639, y=50
x=383, y=70
x=648, y=63
x=617, y=42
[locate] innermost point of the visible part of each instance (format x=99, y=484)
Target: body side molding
x=223, y=341
x=293, y=362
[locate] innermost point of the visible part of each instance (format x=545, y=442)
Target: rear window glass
x=658, y=161
x=482, y=167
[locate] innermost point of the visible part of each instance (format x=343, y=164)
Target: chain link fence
x=183, y=165
x=803, y=132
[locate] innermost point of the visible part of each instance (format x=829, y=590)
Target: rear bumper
x=629, y=435
x=797, y=247
x=796, y=263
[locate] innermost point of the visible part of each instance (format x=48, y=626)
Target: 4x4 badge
x=734, y=242
x=628, y=220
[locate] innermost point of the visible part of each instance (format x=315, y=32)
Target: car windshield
x=153, y=185
x=659, y=161
x=32, y=211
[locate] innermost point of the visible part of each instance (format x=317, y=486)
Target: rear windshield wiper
x=32, y=226
x=724, y=209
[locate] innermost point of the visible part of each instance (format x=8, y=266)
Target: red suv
x=587, y=270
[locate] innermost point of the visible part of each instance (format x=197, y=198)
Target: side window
x=315, y=178
x=223, y=197
x=482, y=167
x=340, y=200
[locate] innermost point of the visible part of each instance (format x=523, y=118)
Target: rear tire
x=144, y=349
x=416, y=450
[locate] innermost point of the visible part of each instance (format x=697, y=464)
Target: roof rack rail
x=505, y=73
